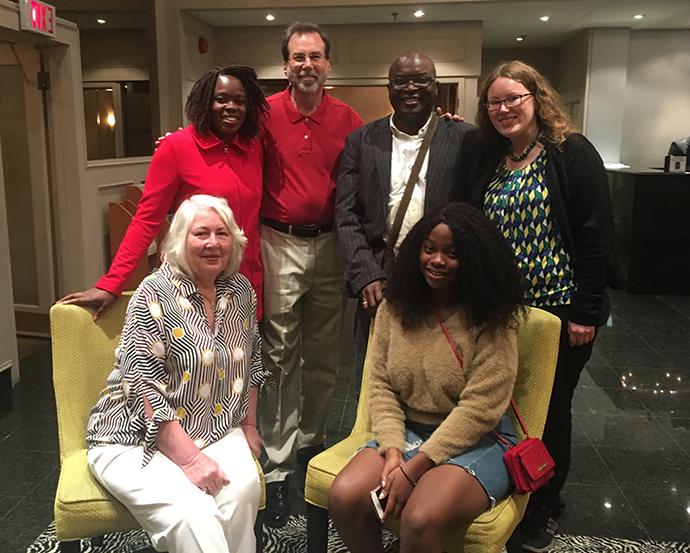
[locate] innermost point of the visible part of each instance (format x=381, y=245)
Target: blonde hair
x=552, y=118
x=174, y=249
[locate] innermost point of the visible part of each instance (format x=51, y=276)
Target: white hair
x=174, y=249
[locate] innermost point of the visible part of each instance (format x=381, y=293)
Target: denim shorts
x=484, y=460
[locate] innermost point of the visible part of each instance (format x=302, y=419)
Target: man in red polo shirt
x=303, y=288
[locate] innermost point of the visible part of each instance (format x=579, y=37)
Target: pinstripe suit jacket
x=361, y=208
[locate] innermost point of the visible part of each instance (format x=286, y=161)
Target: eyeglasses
x=315, y=58
x=420, y=81
x=511, y=101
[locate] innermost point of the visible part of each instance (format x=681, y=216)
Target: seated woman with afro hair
x=444, y=362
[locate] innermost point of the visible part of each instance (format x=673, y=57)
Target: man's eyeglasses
x=315, y=58
x=512, y=101
x=401, y=83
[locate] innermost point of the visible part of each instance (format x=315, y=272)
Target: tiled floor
x=631, y=466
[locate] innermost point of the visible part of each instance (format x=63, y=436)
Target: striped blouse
x=168, y=354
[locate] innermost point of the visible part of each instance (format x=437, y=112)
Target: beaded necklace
x=524, y=153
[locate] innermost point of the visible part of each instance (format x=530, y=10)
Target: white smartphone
x=380, y=507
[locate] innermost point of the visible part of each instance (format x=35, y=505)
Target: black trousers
x=558, y=430
x=361, y=330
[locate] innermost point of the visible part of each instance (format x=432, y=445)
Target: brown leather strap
x=411, y=181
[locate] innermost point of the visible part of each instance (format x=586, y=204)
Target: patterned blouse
x=517, y=202
x=168, y=354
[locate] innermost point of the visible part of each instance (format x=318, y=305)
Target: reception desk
x=652, y=217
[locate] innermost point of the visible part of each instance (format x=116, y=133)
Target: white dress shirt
x=403, y=155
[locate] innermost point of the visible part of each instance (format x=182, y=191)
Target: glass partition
x=118, y=119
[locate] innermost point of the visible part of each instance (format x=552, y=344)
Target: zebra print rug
x=292, y=538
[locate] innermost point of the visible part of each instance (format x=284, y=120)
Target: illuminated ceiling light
x=520, y=38
x=270, y=17
x=100, y=21
x=329, y=87
x=638, y=16
x=419, y=13
x=544, y=18
x=607, y=505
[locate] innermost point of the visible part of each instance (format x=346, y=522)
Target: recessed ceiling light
x=520, y=38
x=638, y=16
x=419, y=13
x=100, y=21
x=270, y=17
x=544, y=18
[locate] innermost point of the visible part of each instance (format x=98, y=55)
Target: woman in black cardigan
x=545, y=188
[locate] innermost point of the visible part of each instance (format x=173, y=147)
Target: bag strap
x=411, y=181
x=450, y=341
x=519, y=418
x=460, y=362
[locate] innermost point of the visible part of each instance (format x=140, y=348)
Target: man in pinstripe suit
x=376, y=165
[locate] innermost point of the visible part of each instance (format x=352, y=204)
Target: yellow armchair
x=538, y=337
x=83, y=356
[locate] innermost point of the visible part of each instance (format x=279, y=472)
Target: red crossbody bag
x=529, y=464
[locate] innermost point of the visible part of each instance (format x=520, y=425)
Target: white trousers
x=177, y=515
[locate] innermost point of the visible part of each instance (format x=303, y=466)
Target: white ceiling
x=502, y=20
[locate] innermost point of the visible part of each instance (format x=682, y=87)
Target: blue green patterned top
x=517, y=202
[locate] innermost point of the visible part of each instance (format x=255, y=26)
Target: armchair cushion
x=83, y=507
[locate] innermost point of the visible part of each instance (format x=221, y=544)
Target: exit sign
x=38, y=17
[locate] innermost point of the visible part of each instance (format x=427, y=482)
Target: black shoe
x=538, y=530
x=277, y=507
x=305, y=454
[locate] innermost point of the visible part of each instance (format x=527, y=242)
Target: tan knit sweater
x=416, y=376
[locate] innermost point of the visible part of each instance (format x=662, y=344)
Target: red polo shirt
x=188, y=163
x=301, y=159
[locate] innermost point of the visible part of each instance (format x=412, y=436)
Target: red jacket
x=188, y=163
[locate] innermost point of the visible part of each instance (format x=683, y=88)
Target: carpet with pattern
x=292, y=538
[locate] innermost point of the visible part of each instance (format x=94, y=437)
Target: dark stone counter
x=652, y=217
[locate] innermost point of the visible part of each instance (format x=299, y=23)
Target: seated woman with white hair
x=173, y=432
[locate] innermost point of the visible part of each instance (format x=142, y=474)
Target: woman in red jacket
x=217, y=154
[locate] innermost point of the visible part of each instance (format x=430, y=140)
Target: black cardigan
x=580, y=201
